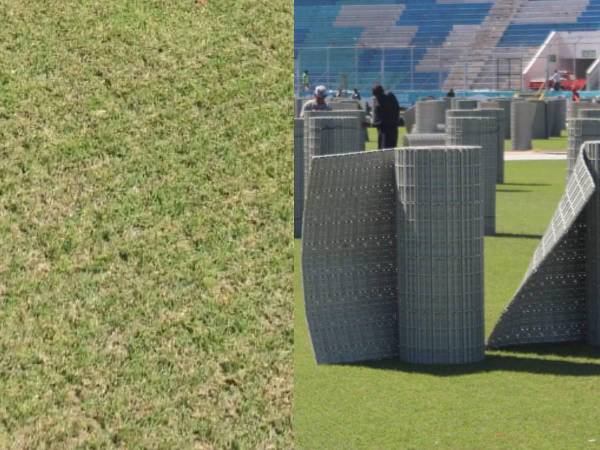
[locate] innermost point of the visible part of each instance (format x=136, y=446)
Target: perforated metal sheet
x=580, y=131
x=592, y=245
x=550, y=303
x=349, y=257
x=440, y=254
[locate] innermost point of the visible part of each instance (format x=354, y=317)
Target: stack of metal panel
x=483, y=132
x=580, y=131
x=359, y=114
x=349, y=257
x=424, y=139
x=463, y=103
x=329, y=136
x=440, y=254
x=298, y=175
x=550, y=304
x=429, y=114
x=592, y=245
x=521, y=124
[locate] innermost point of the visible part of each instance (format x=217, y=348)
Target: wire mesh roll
x=298, y=175
x=592, y=246
x=298, y=102
x=483, y=132
x=329, y=135
x=574, y=107
x=463, y=103
x=409, y=117
x=498, y=114
x=539, y=127
x=505, y=104
x=579, y=131
x=423, y=139
x=521, y=124
x=589, y=113
x=440, y=254
x=349, y=257
x=429, y=114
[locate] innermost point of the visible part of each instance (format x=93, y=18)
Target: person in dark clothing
x=356, y=95
x=386, y=117
x=451, y=93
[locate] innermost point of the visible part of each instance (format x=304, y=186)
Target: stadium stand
x=430, y=44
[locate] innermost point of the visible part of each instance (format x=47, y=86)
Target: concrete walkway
x=534, y=156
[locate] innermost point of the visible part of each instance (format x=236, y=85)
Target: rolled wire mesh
x=589, y=113
x=505, y=105
x=550, y=303
x=352, y=105
x=409, y=119
x=483, y=132
x=579, y=131
x=298, y=102
x=298, y=175
x=521, y=124
x=462, y=103
x=574, y=107
x=327, y=134
x=591, y=151
x=440, y=254
x=424, y=139
x=349, y=257
x=429, y=114
x=553, y=108
x=539, y=128
x=486, y=109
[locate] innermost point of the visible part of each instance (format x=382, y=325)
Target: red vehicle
x=568, y=82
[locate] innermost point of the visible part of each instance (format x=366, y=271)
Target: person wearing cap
x=318, y=102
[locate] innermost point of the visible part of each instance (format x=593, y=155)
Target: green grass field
x=145, y=222
x=542, y=397
x=555, y=144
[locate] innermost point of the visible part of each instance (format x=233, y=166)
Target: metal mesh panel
x=580, y=131
x=424, y=139
x=483, y=132
x=298, y=175
x=521, y=124
x=574, y=107
x=440, y=255
x=348, y=257
x=429, y=114
x=592, y=245
x=487, y=110
x=549, y=305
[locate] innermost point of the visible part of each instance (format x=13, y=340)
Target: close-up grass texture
x=145, y=224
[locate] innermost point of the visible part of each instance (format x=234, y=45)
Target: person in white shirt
x=556, y=80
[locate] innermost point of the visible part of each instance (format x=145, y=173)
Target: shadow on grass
x=512, y=190
x=497, y=361
x=517, y=236
x=525, y=184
